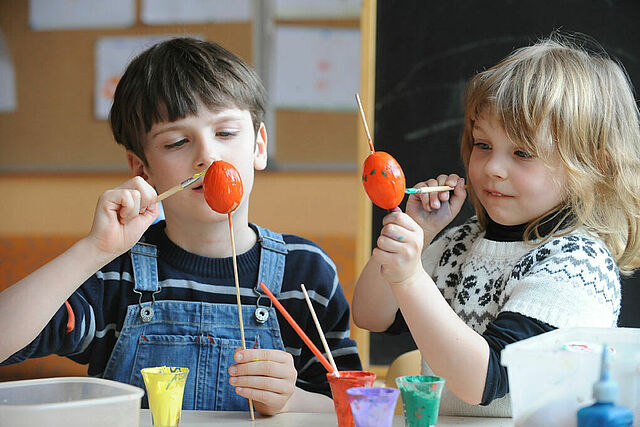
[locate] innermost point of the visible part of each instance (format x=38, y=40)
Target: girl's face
x=513, y=186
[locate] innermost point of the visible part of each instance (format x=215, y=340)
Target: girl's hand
x=122, y=215
x=399, y=247
x=434, y=211
x=266, y=376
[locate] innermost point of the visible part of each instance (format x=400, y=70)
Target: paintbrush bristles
x=184, y=184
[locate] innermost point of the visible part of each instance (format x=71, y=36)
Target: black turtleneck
x=515, y=233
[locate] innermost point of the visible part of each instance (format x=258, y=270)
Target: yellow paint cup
x=165, y=388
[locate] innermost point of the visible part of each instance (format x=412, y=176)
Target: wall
x=56, y=159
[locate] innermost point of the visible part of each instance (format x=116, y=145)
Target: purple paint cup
x=373, y=406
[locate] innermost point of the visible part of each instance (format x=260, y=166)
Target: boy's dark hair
x=167, y=81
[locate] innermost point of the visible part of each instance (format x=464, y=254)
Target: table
x=293, y=419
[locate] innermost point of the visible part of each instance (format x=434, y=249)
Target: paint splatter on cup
x=340, y=385
x=165, y=389
x=420, y=399
x=373, y=406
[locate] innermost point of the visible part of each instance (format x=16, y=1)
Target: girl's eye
x=524, y=154
x=482, y=145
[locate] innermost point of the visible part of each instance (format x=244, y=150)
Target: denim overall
x=196, y=335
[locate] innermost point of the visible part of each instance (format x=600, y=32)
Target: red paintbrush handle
x=297, y=328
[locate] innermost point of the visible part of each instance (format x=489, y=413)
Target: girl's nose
x=496, y=167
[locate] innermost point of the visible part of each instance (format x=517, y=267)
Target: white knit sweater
x=567, y=281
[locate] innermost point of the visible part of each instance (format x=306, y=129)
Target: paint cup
x=340, y=385
x=373, y=406
x=165, y=388
x=420, y=399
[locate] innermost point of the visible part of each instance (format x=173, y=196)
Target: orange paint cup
x=339, y=386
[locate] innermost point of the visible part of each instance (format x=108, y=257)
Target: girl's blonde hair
x=583, y=101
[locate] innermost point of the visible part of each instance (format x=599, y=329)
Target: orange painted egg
x=383, y=180
x=222, y=187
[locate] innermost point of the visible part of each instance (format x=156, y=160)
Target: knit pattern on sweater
x=566, y=281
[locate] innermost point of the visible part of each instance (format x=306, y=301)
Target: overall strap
x=272, y=259
x=145, y=267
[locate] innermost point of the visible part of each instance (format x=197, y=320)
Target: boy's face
x=177, y=150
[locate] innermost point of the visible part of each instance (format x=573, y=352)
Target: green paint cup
x=420, y=399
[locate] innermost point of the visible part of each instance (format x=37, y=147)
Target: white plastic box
x=69, y=402
x=551, y=375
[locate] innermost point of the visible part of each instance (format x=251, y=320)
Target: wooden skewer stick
x=364, y=122
x=319, y=328
x=235, y=276
x=184, y=184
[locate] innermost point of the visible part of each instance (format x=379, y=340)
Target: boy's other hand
x=122, y=215
x=266, y=376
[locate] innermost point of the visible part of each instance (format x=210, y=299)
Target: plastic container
x=69, y=402
x=551, y=376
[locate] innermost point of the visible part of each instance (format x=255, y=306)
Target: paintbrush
x=319, y=328
x=423, y=190
x=297, y=328
x=184, y=184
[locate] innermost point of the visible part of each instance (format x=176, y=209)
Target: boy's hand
x=266, y=376
x=122, y=215
x=434, y=211
x=399, y=247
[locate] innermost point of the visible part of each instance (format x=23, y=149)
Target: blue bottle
x=605, y=413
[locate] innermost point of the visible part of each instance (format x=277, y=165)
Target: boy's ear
x=136, y=165
x=260, y=151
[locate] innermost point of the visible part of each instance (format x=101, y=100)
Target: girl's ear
x=260, y=150
x=136, y=165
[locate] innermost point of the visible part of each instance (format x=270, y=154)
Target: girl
x=551, y=149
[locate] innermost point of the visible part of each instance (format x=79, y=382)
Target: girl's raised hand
x=434, y=211
x=122, y=215
x=399, y=247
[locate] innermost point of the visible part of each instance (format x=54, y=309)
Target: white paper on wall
x=163, y=12
x=316, y=68
x=317, y=9
x=112, y=55
x=74, y=14
x=7, y=78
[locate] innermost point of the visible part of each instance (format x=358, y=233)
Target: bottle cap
x=605, y=390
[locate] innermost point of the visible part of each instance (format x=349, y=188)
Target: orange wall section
x=293, y=202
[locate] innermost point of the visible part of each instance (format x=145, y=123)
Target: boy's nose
x=205, y=156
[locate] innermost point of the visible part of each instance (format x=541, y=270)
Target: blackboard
x=426, y=51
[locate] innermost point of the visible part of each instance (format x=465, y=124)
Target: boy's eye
x=226, y=133
x=177, y=143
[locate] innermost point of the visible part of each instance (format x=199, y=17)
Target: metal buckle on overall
x=146, y=312
x=262, y=311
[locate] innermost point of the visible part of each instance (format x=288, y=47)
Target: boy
x=170, y=300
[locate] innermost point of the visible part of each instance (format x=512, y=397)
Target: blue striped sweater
x=100, y=304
